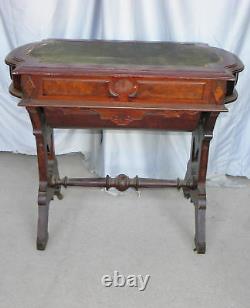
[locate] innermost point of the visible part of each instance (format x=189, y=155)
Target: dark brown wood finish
x=181, y=87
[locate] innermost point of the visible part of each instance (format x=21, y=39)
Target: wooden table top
x=132, y=56
x=125, y=53
x=124, y=75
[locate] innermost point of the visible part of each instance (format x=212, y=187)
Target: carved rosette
x=123, y=88
x=120, y=117
x=124, y=117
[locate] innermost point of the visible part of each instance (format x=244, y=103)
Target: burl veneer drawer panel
x=74, y=87
x=168, y=90
x=72, y=117
x=127, y=89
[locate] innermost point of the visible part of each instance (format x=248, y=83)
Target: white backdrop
x=224, y=23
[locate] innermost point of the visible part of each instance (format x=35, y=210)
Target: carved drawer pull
x=123, y=88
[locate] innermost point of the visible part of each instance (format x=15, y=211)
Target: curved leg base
x=59, y=195
x=41, y=243
x=42, y=226
x=186, y=193
x=200, y=248
x=200, y=223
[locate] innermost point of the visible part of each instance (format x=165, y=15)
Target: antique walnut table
x=117, y=84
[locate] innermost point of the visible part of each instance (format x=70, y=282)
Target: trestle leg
x=196, y=172
x=47, y=166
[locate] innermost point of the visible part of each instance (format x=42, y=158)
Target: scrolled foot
x=186, y=193
x=200, y=248
x=41, y=243
x=59, y=195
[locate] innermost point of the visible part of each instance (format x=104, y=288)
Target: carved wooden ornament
x=123, y=88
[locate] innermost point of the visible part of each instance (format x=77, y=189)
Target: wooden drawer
x=126, y=89
x=73, y=117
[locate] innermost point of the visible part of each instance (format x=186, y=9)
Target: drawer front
x=171, y=90
x=126, y=89
x=74, y=87
x=78, y=117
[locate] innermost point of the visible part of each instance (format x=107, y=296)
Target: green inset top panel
x=124, y=53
